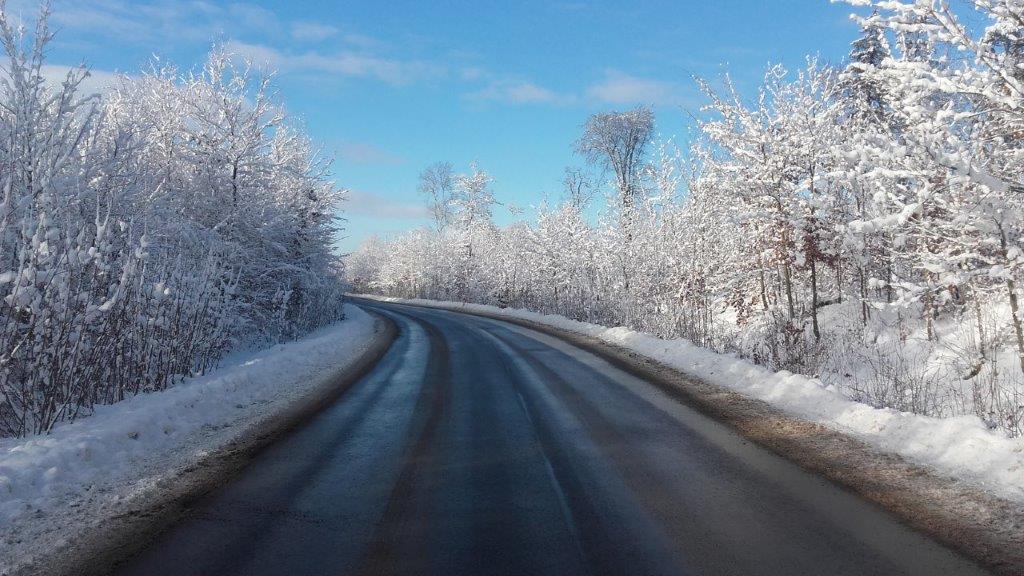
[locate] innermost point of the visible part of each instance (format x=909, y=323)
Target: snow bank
x=962, y=447
x=125, y=447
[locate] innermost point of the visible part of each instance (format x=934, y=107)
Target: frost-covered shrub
x=146, y=232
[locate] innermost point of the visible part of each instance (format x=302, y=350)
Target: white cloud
x=259, y=54
x=283, y=44
x=342, y=63
x=616, y=88
x=97, y=82
x=525, y=92
x=621, y=88
x=473, y=73
x=363, y=153
x=312, y=31
x=157, y=22
x=519, y=92
x=160, y=20
x=571, y=6
x=363, y=41
x=252, y=17
x=377, y=206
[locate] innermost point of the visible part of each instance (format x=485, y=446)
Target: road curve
x=479, y=447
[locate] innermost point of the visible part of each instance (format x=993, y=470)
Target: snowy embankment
x=962, y=447
x=91, y=465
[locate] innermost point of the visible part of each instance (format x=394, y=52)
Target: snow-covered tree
x=617, y=141
x=861, y=223
x=145, y=233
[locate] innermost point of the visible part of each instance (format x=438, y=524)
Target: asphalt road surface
x=478, y=447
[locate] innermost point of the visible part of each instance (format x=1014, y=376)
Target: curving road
x=478, y=447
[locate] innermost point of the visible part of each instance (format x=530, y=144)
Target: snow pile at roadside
x=962, y=447
x=123, y=448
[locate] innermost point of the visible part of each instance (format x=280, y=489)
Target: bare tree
x=437, y=184
x=578, y=187
x=618, y=142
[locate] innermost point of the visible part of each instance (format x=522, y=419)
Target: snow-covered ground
x=962, y=447
x=94, y=463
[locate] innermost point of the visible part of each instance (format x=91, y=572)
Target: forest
x=147, y=231
x=860, y=223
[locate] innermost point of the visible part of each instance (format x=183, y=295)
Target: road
x=478, y=447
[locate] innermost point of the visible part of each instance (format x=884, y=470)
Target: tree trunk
x=888, y=278
x=814, y=267
x=863, y=296
x=929, y=309
x=839, y=280
x=1011, y=287
x=814, y=300
x=979, y=323
x=764, y=288
x=787, y=278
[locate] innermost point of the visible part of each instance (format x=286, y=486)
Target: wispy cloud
x=341, y=63
x=160, y=20
x=312, y=31
x=253, y=32
x=374, y=205
x=168, y=21
x=519, y=92
x=364, y=153
x=97, y=82
x=571, y=6
x=363, y=41
x=315, y=49
x=508, y=89
x=471, y=73
x=248, y=16
x=614, y=88
x=621, y=88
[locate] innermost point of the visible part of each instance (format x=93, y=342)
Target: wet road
x=478, y=447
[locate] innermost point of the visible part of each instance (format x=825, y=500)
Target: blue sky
x=390, y=87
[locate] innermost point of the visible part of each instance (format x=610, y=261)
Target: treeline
x=146, y=232
x=860, y=223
